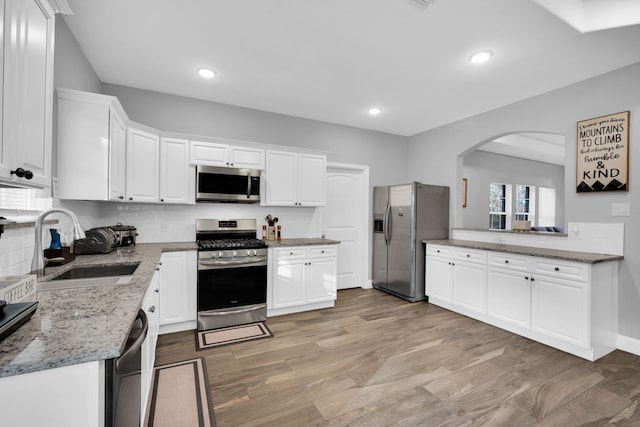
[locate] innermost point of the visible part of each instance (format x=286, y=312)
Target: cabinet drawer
x=289, y=253
x=512, y=262
x=322, y=251
x=439, y=250
x=561, y=269
x=470, y=255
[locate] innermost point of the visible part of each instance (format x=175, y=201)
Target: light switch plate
x=620, y=209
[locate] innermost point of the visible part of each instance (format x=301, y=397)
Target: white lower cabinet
x=571, y=306
x=457, y=277
x=150, y=305
x=301, y=278
x=178, y=291
x=559, y=309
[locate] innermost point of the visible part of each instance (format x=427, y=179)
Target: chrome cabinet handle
x=152, y=309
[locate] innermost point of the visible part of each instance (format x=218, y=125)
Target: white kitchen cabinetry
x=177, y=175
x=91, y=146
x=301, y=278
x=457, y=276
x=508, y=289
x=143, y=164
x=178, y=291
x=295, y=179
x=226, y=155
x=559, y=307
x=469, y=279
x=66, y=396
x=568, y=305
x=438, y=281
x=26, y=92
x=150, y=305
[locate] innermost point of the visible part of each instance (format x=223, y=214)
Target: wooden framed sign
x=602, y=161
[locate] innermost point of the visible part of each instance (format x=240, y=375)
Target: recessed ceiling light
x=206, y=73
x=480, y=56
x=374, y=111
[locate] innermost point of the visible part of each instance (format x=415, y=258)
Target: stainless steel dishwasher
x=123, y=379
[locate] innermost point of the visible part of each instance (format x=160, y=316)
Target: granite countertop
x=301, y=242
x=82, y=325
x=584, y=257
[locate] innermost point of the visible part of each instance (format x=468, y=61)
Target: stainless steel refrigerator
x=404, y=216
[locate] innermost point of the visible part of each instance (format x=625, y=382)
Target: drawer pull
x=526, y=277
x=468, y=256
x=438, y=250
x=557, y=269
x=290, y=253
x=323, y=251
x=533, y=279
x=506, y=261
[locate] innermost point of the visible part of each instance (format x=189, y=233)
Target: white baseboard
x=368, y=284
x=628, y=344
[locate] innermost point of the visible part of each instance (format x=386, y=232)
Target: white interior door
x=345, y=218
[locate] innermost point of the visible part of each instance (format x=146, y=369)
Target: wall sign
x=603, y=154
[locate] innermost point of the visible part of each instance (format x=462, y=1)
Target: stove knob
x=235, y=253
x=219, y=254
x=255, y=252
x=248, y=253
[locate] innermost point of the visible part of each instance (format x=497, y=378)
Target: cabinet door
x=177, y=176
x=281, y=178
x=27, y=92
x=117, y=156
x=509, y=296
x=312, y=173
x=209, y=153
x=321, y=279
x=150, y=306
x=288, y=284
x=438, y=278
x=247, y=158
x=559, y=309
x=469, y=286
x=177, y=287
x=143, y=163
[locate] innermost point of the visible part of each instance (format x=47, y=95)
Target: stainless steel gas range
x=232, y=273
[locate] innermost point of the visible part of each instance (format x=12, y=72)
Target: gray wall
x=482, y=168
x=384, y=153
x=71, y=68
x=434, y=157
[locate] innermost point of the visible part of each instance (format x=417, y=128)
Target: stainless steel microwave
x=228, y=185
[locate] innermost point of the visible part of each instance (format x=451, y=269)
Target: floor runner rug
x=180, y=396
x=231, y=335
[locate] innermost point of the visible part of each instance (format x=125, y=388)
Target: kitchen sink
x=93, y=275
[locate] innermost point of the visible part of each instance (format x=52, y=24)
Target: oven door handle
x=227, y=312
x=217, y=265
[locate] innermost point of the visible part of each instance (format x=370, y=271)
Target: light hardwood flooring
x=375, y=360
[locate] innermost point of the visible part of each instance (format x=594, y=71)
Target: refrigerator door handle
x=387, y=224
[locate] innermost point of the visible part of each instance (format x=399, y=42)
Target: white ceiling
x=331, y=60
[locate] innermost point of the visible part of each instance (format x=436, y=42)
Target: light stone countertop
x=584, y=257
x=301, y=242
x=82, y=325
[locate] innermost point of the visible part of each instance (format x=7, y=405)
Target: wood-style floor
x=375, y=360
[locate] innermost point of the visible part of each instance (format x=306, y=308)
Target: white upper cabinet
x=226, y=155
x=91, y=146
x=143, y=165
x=26, y=92
x=295, y=179
x=177, y=176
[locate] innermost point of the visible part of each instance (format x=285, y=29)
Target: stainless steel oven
x=232, y=273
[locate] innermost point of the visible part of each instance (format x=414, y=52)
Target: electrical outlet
x=575, y=231
x=620, y=209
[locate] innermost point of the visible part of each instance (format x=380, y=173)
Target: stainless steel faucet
x=37, y=265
